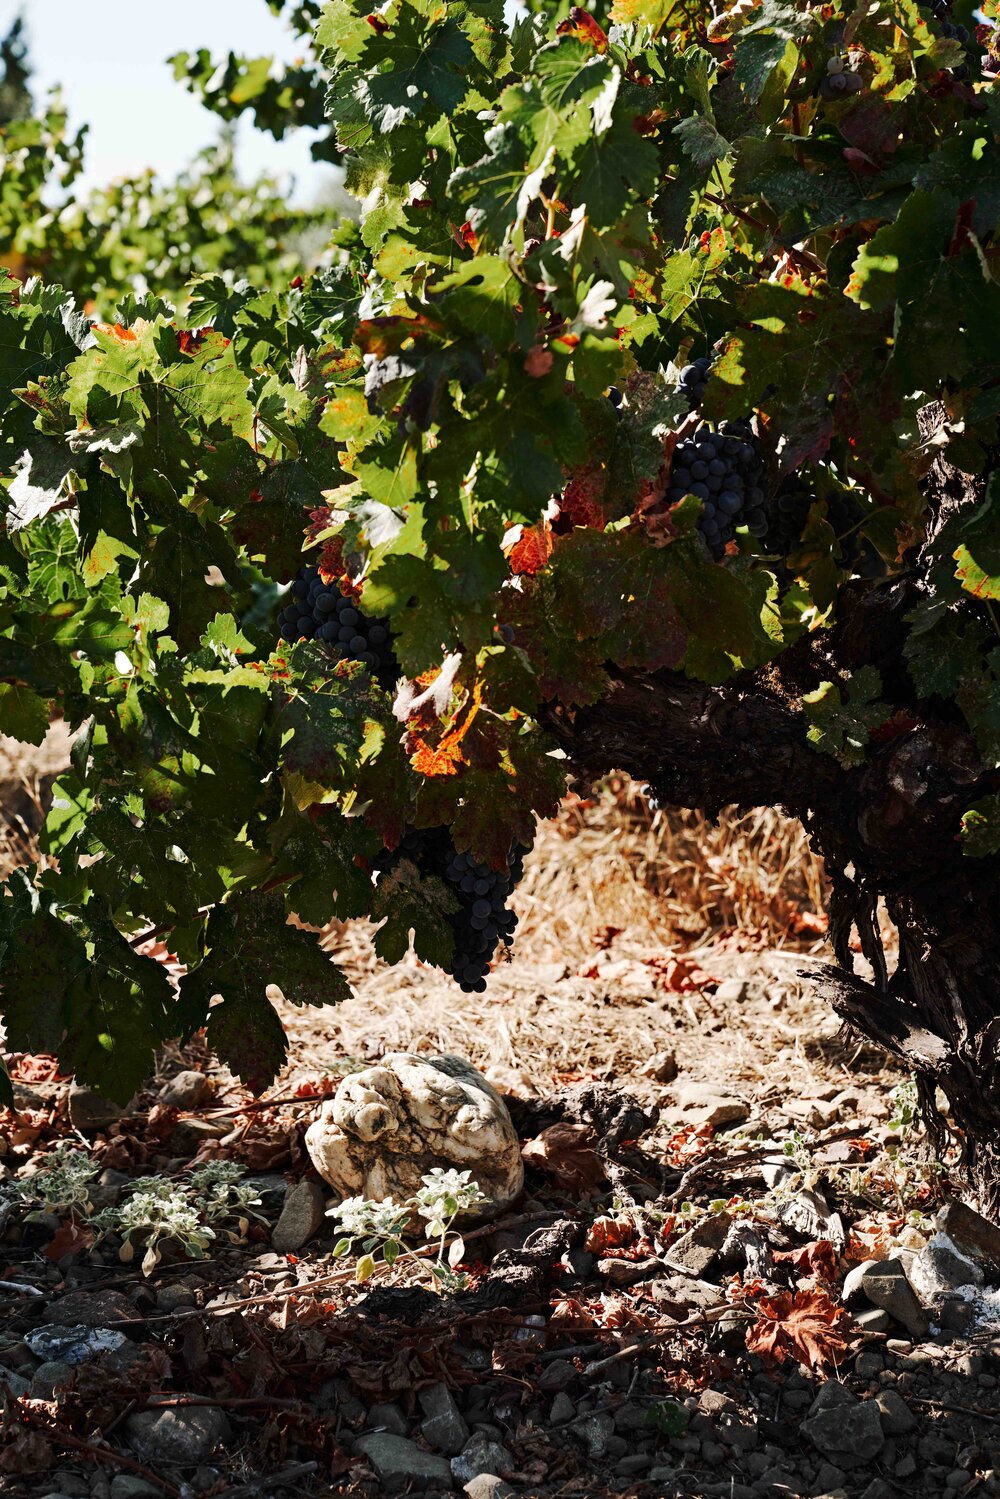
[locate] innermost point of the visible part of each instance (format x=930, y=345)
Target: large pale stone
x=389, y=1125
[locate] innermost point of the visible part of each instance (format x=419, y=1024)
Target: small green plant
x=159, y=1214
x=905, y=1108
x=62, y=1184
x=669, y=1419
x=382, y=1226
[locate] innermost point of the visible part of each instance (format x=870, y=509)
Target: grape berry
x=693, y=380
x=723, y=469
x=788, y=515
x=941, y=11
x=317, y=610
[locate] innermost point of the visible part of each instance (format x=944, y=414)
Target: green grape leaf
x=250, y=948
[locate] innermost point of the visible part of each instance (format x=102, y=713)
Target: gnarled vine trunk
x=888, y=828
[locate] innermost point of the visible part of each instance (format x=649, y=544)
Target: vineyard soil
x=662, y=958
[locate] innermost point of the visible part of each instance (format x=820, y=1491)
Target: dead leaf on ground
x=818, y=1259
x=567, y=1154
x=71, y=1238
x=807, y=1326
x=607, y=1233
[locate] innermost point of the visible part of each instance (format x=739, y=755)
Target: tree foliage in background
x=550, y=209
x=139, y=233
x=279, y=98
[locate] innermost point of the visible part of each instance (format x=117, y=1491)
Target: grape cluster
x=723, y=468
x=318, y=610
x=693, y=380
x=840, y=81
x=941, y=11
x=483, y=919
x=789, y=513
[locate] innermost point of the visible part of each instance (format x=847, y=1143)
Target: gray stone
x=562, y=1410
x=301, y=1217
x=442, y=1426
x=557, y=1375
x=73, y=1344
x=188, y=1090
x=388, y=1418
x=93, y=1309
x=633, y=1463
x=90, y=1111
x=832, y=1396
x=829, y=1476
x=595, y=1430
x=873, y=1320
x=49, y=1377
x=489, y=1486
x=973, y=1233
x=632, y=1417
x=190, y=1134
x=868, y=1364
x=662, y=1475
x=897, y=1418
x=481, y=1454
x=704, y=1102
x=878, y=1489
x=696, y=1250
x=132, y=1486
x=68, y=1482
x=14, y=1385
x=627, y=1272
x=401, y=1464
x=941, y=1266
x=847, y=1433
x=732, y=992
x=182, y=1434
x=173, y=1298
x=853, y=1290
x=887, y=1287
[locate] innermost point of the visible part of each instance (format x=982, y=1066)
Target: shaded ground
x=661, y=1314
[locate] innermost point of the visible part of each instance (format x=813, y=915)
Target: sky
x=110, y=58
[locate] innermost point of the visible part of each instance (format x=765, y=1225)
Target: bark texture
x=888, y=828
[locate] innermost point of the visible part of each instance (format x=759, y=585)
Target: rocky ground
x=736, y=1267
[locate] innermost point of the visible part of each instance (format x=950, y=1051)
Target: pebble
x=847, y=1432
x=389, y=1418
x=188, y=1090
x=183, y=1434
x=562, y=1410
x=134, y=1486
x=897, y=1418
x=49, y=1377
x=489, y=1486
x=886, y=1285
x=696, y=1250
x=94, y=1309
x=74, y=1344
x=302, y=1217
x=90, y=1111
x=400, y=1463
x=706, y=1104
x=443, y=1426
x=481, y=1455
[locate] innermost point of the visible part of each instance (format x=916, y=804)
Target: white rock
x=940, y=1266
x=386, y=1127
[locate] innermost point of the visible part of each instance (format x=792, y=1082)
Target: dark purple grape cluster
x=693, y=380
x=317, y=610
x=722, y=467
x=483, y=919
x=788, y=514
x=941, y=11
x=840, y=84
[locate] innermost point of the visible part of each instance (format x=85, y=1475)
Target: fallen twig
x=272, y=1480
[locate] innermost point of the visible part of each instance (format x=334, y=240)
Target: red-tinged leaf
x=71, y=1238
x=687, y=1145
x=807, y=1326
x=581, y=24
x=818, y=1259
x=121, y=334
x=380, y=336
x=567, y=1154
x=582, y=501
x=531, y=552
x=809, y=924
x=34, y=1069
x=569, y=1312
x=607, y=1233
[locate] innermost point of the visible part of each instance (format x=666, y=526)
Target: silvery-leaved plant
x=62, y=1184
x=380, y=1226
x=187, y=1214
